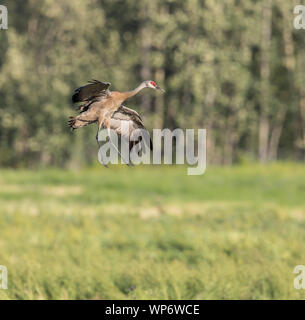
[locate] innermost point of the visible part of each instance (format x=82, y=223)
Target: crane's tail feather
x=151, y=145
x=75, y=123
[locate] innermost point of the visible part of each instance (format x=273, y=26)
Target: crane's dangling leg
x=99, y=146
x=117, y=150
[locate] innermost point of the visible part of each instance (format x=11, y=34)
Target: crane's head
x=152, y=84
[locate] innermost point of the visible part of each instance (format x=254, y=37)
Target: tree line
x=233, y=67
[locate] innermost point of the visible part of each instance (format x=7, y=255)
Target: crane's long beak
x=158, y=88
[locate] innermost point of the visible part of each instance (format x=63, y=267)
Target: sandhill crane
x=104, y=107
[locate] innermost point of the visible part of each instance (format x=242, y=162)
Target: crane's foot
x=103, y=161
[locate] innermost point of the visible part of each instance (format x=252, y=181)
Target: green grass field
x=153, y=233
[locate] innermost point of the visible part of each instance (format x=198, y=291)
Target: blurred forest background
x=233, y=67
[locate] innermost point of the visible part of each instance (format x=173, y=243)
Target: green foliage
x=97, y=234
x=209, y=55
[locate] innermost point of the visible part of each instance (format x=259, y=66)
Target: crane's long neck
x=132, y=93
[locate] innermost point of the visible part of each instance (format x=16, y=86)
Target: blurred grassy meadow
x=153, y=232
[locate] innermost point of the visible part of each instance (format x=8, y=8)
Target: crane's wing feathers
x=135, y=122
x=91, y=91
x=124, y=113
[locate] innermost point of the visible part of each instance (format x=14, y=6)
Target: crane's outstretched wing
x=91, y=91
x=134, y=121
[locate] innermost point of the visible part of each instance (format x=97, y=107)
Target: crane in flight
x=100, y=105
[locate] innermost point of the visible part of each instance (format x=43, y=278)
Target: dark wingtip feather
x=75, y=97
x=71, y=123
